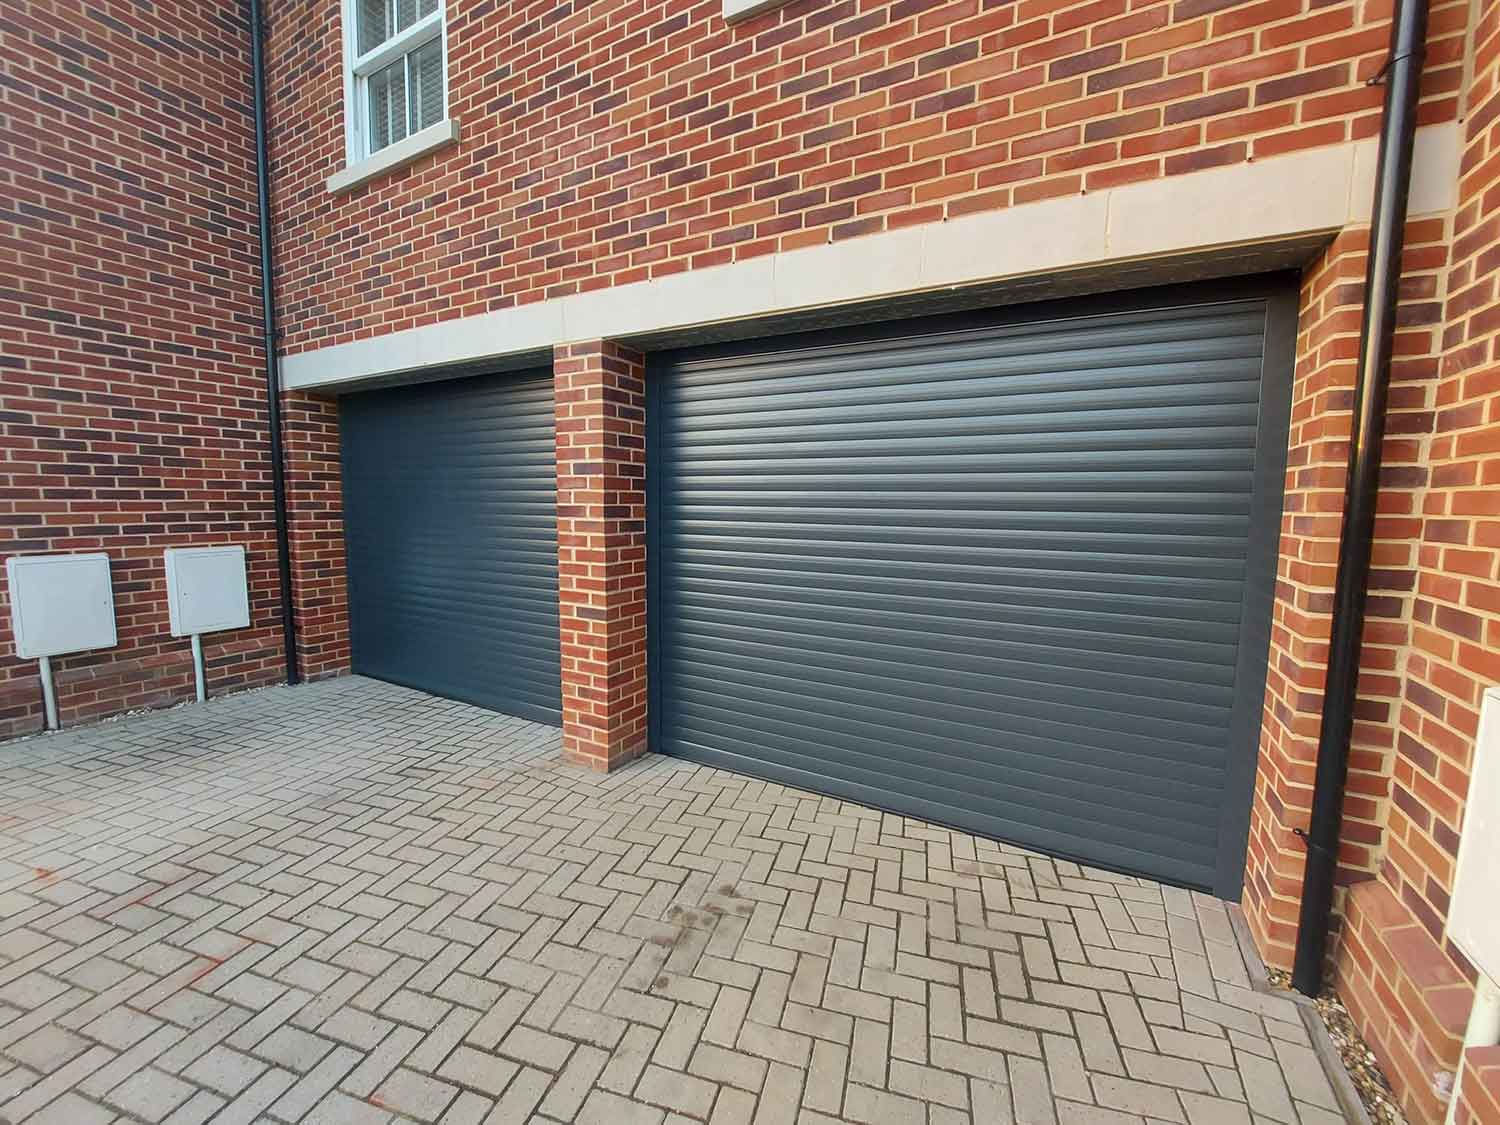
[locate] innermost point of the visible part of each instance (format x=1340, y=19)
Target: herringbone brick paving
x=352, y=901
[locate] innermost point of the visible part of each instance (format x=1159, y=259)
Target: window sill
x=394, y=156
x=737, y=10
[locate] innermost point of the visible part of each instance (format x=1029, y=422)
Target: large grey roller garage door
x=450, y=521
x=1009, y=575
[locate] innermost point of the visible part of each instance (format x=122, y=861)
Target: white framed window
x=395, y=85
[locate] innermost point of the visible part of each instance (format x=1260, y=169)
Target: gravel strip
x=1359, y=1060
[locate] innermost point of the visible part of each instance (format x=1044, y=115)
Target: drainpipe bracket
x=1378, y=78
x=1312, y=845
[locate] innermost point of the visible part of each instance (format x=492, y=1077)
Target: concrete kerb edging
x=1328, y=1053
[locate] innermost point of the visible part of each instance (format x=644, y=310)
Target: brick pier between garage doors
x=601, y=544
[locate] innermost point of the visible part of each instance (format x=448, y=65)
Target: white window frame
x=360, y=163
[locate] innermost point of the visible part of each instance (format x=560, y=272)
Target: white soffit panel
x=1474, y=916
x=206, y=589
x=60, y=603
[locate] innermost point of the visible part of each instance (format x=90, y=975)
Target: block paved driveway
x=351, y=901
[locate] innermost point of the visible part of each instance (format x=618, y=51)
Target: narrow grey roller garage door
x=450, y=522
x=1011, y=575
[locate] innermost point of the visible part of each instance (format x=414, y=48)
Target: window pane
x=387, y=105
x=374, y=24
x=409, y=12
x=426, y=85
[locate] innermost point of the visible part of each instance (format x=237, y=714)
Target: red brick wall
x=1480, y=1094
x=1322, y=396
x=1411, y=1001
x=622, y=139
x=315, y=501
x=1327, y=341
x=600, y=391
x=1456, y=647
x=132, y=408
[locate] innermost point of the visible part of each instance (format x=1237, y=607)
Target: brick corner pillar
x=1312, y=515
x=600, y=391
x=1327, y=349
x=315, y=505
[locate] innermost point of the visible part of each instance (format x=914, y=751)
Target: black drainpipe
x=1398, y=126
x=268, y=325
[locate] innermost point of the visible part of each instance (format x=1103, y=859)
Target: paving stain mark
x=213, y=963
x=156, y=890
x=685, y=918
x=142, y=900
x=667, y=942
x=742, y=906
x=705, y=917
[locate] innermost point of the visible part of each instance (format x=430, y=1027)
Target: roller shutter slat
x=451, y=528
x=992, y=577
